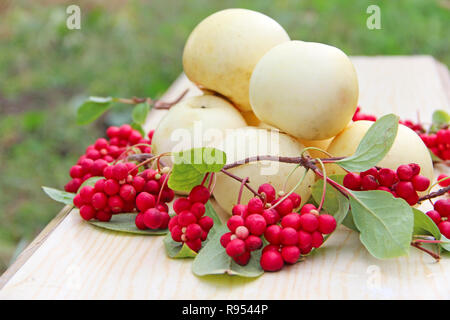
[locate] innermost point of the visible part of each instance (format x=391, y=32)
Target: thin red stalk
x=205, y=178
x=431, y=253
x=241, y=189
x=240, y=180
x=162, y=186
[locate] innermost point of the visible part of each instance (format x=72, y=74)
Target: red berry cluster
x=362, y=116
x=417, y=127
x=297, y=235
x=151, y=199
x=190, y=225
x=440, y=215
x=438, y=143
x=403, y=183
x=103, y=152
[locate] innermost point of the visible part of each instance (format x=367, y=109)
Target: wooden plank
x=77, y=260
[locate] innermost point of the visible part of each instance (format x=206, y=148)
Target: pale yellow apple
x=251, y=119
x=407, y=148
x=309, y=90
x=250, y=141
x=320, y=144
x=195, y=122
x=223, y=49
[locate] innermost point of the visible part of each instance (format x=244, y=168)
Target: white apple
x=223, y=49
x=250, y=141
x=309, y=90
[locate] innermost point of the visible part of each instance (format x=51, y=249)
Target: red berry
x=127, y=192
x=234, y=222
x=317, y=239
x=134, y=137
x=253, y=242
x=103, y=216
x=272, y=234
x=444, y=183
x=101, y=143
x=296, y=199
x=225, y=239
x=125, y=131
x=107, y=172
x=288, y=236
x=138, y=183
x=120, y=171
x=307, y=208
x=352, y=181
x=87, y=164
x=369, y=182
x=239, y=210
x=271, y=216
x=434, y=215
x=271, y=247
x=111, y=187
x=112, y=132
x=204, y=235
x=243, y=259
x=309, y=222
x=152, y=187
x=372, y=171
x=413, y=199
x=256, y=224
x=76, y=171
x=404, y=172
x=285, y=207
x=167, y=195
x=383, y=188
x=235, y=248
x=193, y=231
x=242, y=232
x=327, y=223
x=443, y=207
x=255, y=205
x=176, y=233
x=405, y=189
x=387, y=177
x=415, y=168
x=87, y=212
x=304, y=240
x=195, y=245
x=86, y=193
x=73, y=185
x=162, y=207
x=99, y=185
x=173, y=222
x=116, y=204
x=145, y=201
x=99, y=200
x=206, y=223
x=290, y=254
x=93, y=154
x=153, y=218
x=291, y=220
x=77, y=201
x=444, y=227
x=131, y=167
x=420, y=183
x=268, y=190
x=186, y=218
x=199, y=194
x=198, y=209
x=98, y=166
x=271, y=260
x=181, y=204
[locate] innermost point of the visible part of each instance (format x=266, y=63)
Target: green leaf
x=446, y=243
x=423, y=225
x=140, y=112
x=59, y=195
x=213, y=259
x=177, y=250
x=440, y=117
x=374, y=145
x=434, y=157
x=138, y=127
x=335, y=203
x=210, y=212
x=124, y=222
x=90, y=182
x=191, y=165
x=92, y=108
x=349, y=223
x=385, y=223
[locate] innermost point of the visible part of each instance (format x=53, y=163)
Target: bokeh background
x=134, y=48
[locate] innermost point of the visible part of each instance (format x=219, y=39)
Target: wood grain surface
x=72, y=259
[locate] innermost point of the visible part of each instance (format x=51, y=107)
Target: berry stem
x=157, y=104
x=324, y=190
x=290, y=192
x=130, y=148
x=163, y=185
x=241, y=189
x=431, y=253
x=240, y=180
x=205, y=178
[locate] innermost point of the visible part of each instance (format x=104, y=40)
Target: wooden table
x=72, y=259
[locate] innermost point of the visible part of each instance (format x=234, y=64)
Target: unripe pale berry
x=271, y=261
x=290, y=254
x=235, y=248
x=253, y=242
x=181, y=204
x=309, y=222
x=239, y=210
x=444, y=228
x=404, y=172
x=111, y=187
x=87, y=212
x=304, y=240
x=317, y=239
x=271, y=216
x=198, y=209
x=443, y=207
x=307, y=208
x=145, y=201
x=352, y=181
x=243, y=259
x=272, y=234
x=420, y=183
x=291, y=220
x=327, y=223
x=99, y=200
x=434, y=215
x=225, y=239
x=242, y=232
x=86, y=193
x=234, y=222
x=199, y=194
x=268, y=190
x=116, y=204
x=186, y=218
x=193, y=231
x=369, y=182
x=255, y=205
x=206, y=223
x=285, y=207
x=256, y=224
x=387, y=177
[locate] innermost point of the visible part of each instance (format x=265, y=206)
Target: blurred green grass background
x=134, y=48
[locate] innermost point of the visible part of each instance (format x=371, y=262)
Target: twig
x=240, y=180
x=431, y=253
x=435, y=194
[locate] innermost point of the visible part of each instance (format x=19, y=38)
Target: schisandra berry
x=127, y=192
x=255, y=206
x=420, y=183
x=309, y=222
x=253, y=243
x=404, y=172
x=268, y=190
x=271, y=216
x=193, y=231
x=296, y=199
x=234, y=222
x=443, y=207
x=239, y=210
x=103, y=216
x=153, y=218
x=225, y=239
x=241, y=232
x=352, y=181
x=256, y=224
x=387, y=177
x=116, y=204
x=206, y=223
x=87, y=212
x=308, y=207
x=111, y=187
x=272, y=234
x=99, y=200
x=327, y=223
x=285, y=207
x=288, y=236
x=235, y=248
x=243, y=259
x=316, y=239
x=181, y=204
x=198, y=209
x=444, y=228
x=369, y=182
x=444, y=183
x=271, y=261
x=186, y=218
x=86, y=193
x=199, y=194
x=290, y=254
x=435, y=216
x=304, y=240
x=291, y=220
